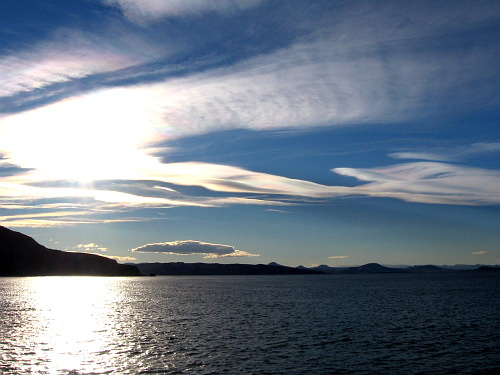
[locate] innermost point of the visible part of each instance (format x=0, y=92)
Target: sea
x=301, y=324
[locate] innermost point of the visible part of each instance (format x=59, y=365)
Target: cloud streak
x=421, y=182
x=450, y=153
x=69, y=55
x=189, y=247
x=145, y=11
x=90, y=247
x=479, y=252
x=427, y=182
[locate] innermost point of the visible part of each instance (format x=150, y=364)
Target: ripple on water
x=359, y=324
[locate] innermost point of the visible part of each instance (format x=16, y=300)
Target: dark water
x=348, y=324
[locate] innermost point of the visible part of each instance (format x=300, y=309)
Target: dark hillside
x=21, y=255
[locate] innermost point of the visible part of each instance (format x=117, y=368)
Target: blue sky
x=250, y=131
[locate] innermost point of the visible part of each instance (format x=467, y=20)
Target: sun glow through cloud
x=97, y=136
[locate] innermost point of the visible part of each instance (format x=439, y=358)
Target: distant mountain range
x=377, y=268
x=21, y=255
x=181, y=268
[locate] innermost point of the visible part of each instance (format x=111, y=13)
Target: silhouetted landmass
x=21, y=255
x=367, y=268
x=377, y=268
x=462, y=267
x=373, y=268
x=428, y=269
x=180, y=268
x=322, y=268
x=276, y=264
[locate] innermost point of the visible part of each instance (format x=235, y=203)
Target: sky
x=250, y=131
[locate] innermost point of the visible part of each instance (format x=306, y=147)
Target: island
x=21, y=255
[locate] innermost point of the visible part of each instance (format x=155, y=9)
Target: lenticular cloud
x=189, y=247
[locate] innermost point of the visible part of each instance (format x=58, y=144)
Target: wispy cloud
x=422, y=156
x=450, y=153
x=120, y=258
x=278, y=211
x=209, y=250
x=482, y=252
x=115, y=257
x=368, y=64
x=339, y=257
x=370, y=74
x=144, y=11
x=68, y=55
x=56, y=220
x=427, y=182
x=423, y=182
x=90, y=247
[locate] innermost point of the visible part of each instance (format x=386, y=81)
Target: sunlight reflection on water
x=65, y=324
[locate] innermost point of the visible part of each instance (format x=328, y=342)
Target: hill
x=367, y=268
x=21, y=255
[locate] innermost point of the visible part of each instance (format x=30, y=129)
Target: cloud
x=367, y=64
x=427, y=182
x=421, y=156
x=368, y=70
x=306, y=85
x=144, y=11
x=115, y=257
x=339, y=257
x=189, y=247
x=450, y=153
x=422, y=182
x=90, y=247
x=479, y=252
x=119, y=258
x=67, y=56
x=231, y=179
x=279, y=211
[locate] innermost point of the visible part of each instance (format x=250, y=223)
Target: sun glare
x=71, y=316
x=98, y=136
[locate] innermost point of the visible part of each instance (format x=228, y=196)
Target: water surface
x=314, y=324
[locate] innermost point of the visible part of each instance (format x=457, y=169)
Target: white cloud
x=279, y=211
x=356, y=69
x=209, y=250
x=359, y=69
x=421, y=156
x=320, y=81
x=144, y=11
x=231, y=179
x=450, y=153
x=89, y=247
x=120, y=258
x=339, y=257
x=305, y=85
x=423, y=182
x=427, y=182
x=68, y=55
x=479, y=252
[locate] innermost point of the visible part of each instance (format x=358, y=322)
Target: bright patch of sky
x=318, y=127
